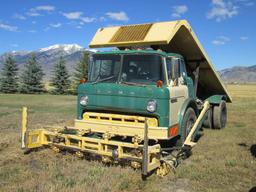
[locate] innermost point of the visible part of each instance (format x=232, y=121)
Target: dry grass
x=221, y=161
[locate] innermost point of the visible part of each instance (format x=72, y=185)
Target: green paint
x=133, y=99
x=127, y=99
x=216, y=99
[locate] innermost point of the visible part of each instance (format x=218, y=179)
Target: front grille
x=118, y=118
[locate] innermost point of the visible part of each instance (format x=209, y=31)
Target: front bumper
x=121, y=125
x=119, y=129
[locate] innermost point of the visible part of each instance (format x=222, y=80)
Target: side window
x=173, y=68
x=169, y=67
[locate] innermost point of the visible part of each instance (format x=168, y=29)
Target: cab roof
x=158, y=52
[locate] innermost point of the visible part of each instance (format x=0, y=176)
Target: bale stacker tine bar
x=24, y=126
x=188, y=141
x=144, y=171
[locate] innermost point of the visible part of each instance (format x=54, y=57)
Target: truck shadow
x=198, y=136
x=253, y=152
x=252, y=148
x=253, y=189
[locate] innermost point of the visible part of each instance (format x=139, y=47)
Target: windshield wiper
x=104, y=79
x=133, y=83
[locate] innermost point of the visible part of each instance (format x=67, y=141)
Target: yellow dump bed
x=174, y=37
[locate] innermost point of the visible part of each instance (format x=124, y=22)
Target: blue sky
x=226, y=28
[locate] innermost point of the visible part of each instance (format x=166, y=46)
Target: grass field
x=222, y=160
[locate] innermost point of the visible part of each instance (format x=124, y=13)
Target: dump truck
x=144, y=101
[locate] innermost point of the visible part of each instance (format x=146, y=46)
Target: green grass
x=221, y=160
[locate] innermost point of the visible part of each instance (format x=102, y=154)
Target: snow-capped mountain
x=67, y=48
x=48, y=56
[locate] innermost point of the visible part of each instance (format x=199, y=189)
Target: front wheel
x=188, y=121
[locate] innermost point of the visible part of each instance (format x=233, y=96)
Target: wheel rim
x=190, y=125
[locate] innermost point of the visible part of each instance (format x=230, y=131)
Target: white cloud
x=102, y=18
x=244, y=38
x=220, y=40
x=249, y=4
x=18, y=16
x=34, y=12
x=79, y=16
x=73, y=15
x=8, y=27
x=56, y=25
x=32, y=31
x=119, y=16
x=14, y=45
x=177, y=11
x=88, y=19
x=245, y=2
x=221, y=10
x=44, y=8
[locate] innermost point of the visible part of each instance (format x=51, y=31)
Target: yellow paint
x=24, y=126
x=103, y=147
x=121, y=129
x=188, y=140
x=119, y=119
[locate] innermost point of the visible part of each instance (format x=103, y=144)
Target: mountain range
x=48, y=56
x=239, y=74
x=72, y=53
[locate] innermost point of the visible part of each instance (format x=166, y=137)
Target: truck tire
x=208, y=121
x=188, y=121
x=220, y=115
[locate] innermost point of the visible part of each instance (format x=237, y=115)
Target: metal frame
x=149, y=158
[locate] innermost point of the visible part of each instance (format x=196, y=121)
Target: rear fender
x=216, y=99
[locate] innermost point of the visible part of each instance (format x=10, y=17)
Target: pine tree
x=32, y=76
x=81, y=69
x=60, y=79
x=9, y=76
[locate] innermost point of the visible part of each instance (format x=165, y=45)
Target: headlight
x=151, y=107
x=84, y=100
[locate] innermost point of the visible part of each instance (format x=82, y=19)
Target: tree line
x=30, y=80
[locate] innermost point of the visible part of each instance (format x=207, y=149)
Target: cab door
x=178, y=90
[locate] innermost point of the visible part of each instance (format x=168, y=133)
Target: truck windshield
x=135, y=69
x=105, y=68
x=143, y=69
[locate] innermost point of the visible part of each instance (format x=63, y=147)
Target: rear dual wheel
x=217, y=116
x=220, y=115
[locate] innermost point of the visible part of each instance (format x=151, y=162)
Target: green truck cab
x=139, y=84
